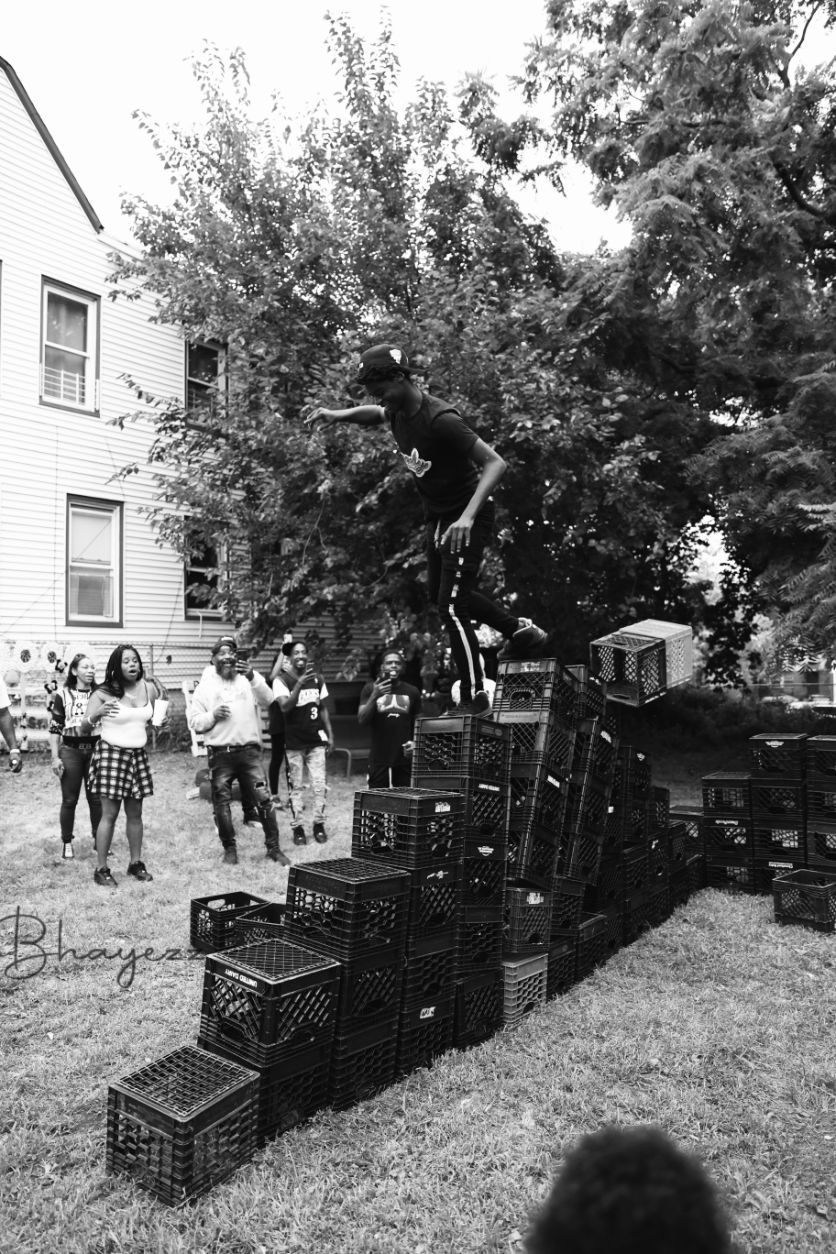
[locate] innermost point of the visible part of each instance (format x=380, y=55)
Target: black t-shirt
x=393, y=722
x=436, y=445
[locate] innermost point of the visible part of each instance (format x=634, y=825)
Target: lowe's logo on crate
x=488, y=788
x=427, y=1012
x=485, y=850
x=442, y=807
x=242, y=979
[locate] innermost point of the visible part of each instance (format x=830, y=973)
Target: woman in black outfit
x=71, y=752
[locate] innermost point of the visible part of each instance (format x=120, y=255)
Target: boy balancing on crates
x=455, y=473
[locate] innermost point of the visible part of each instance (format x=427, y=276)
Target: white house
x=79, y=564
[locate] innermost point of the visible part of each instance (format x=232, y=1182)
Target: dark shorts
x=119, y=773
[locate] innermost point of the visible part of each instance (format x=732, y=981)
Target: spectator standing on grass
x=223, y=710
x=455, y=473
x=389, y=706
x=7, y=728
x=119, y=771
x=275, y=715
x=72, y=751
x=301, y=692
x=631, y=1191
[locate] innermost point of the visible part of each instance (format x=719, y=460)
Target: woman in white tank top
x=119, y=769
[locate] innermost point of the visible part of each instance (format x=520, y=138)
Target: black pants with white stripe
x=452, y=586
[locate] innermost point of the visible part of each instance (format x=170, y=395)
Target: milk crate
x=807, y=897
x=567, y=901
x=562, y=964
x=362, y=1064
x=370, y=990
x=821, y=801
x=677, y=843
x=525, y=986
x=347, y=906
x=695, y=865
x=588, y=808
x=483, y=877
x=643, y=660
x=733, y=874
x=289, y=1091
x=691, y=816
x=535, y=686
x=727, y=794
x=431, y=967
x=679, y=887
x=580, y=857
x=821, y=846
x=595, y=752
x=723, y=836
x=533, y=852
x=614, y=929
x=408, y=827
x=424, y=1033
x=765, y=873
x=480, y=941
x=658, y=861
x=608, y=889
x=485, y=803
x=820, y=756
x=540, y=740
x=781, y=754
x=435, y=901
x=269, y=1000
x=479, y=1001
x=213, y=920
x=537, y=795
x=658, y=904
x=260, y=923
x=634, y=870
x=591, y=698
x=635, y=915
x=777, y=799
x=650, y=814
x=182, y=1124
x=633, y=772
x=786, y=841
x=460, y=744
x=592, y=944
x=526, y=924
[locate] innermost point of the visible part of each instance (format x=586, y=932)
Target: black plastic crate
x=269, y=1000
x=807, y=897
x=632, y=668
x=212, y=923
x=735, y=875
x=617, y=825
x=261, y=923
x=537, y=795
x=289, y=1091
x=781, y=754
x=183, y=1123
x=541, y=740
x=695, y=866
x=460, y=744
x=765, y=873
x=658, y=904
x=680, y=889
x=821, y=801
x=588, y=807
x=525, y=986
x=650, y=814
x=362, y=1064
x=561, y=972
x=370, y=990
x=435, y=901
x=635, y=915
x=774, y=798
x=483, y=881
x=821, y=846
x=595, y=751
x=591, y=698
x=677, y=843
x=526, y=922
x=820, y=755
x=478, y=1008
x=533, y=854
x=534, y=686
x=424, y=1033
x=658, y=861
x=580, y=857
x=567, y=901
x=691, y=816
x=608, y=889
x=485, y=804
x=431, y=967
x=727, y=793
x=408, y=827
x=634, y=871
x=633, y=772
x=480, y=941
x=347, y=906
x=779, y=840
x=723, y=836
x=592, y=944
x=614, y=930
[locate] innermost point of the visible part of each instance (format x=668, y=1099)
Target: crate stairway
x=528, y=849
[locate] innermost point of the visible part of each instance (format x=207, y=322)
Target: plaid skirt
x=118, y=773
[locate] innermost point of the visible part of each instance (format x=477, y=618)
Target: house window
x=204, y=376
x=69, y=351
x=202, y=583
x=94, y=558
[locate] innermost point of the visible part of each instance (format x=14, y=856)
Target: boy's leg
x=295, y=780
x=316, y=770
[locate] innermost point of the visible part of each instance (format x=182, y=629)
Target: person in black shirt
x=455, y=473
x=389, y=705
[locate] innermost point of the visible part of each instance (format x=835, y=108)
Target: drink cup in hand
x=160, y=711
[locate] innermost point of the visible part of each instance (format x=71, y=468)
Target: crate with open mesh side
x=526, y=920
x=479, y=940
x=347, y=906
x=483, y=873
x=806, y=896
x=431, y=966
x=183, y=1123
x=658, y=861
x=478, y=1008
x=633, y=772
x=408, y=827
x=540, y=740
x=362, y=1064
x=537, y=795
x=734, y=874
x=779, y=839
x=821, y=846
x=821, y=801
x=588, y=809
x=538, y=685
x=695, y=866
x=596, y=751
x=533, y=854
x=568, y=896
x=592, y=947
x=269, y=1000
x=460, y=744
x=778, y=753
x=677, y=843
x=562, y=963
x=525, y=986
x=485, y=803
x=731, y=835
x=213, y=920
x=609, y=886
x=591, y=698
x=424, y=1033
x=727, y=794
x=691, y=816
x=766, y=871
x=820, y=756
x=260, y=923
x=642, y=661
x=777, y=799
x=650, y=814
x=435, y=900
x=580, y=857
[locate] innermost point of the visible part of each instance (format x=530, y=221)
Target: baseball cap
x=224, y=642
x=383, y=357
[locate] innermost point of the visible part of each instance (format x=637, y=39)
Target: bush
x=711, y=716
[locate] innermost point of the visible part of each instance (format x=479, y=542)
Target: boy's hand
x=320, y=416
x=457, y=535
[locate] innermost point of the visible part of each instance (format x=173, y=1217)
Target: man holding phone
x=390, y=706
x=301, y=692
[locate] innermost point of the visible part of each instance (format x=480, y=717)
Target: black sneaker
x=231, y=855
x=479, y=706
x=138, y=872
x=299, y=837
x=67, y=853
x=275, y=855
x=102, y=876
x=319, y=833
x=527, y=641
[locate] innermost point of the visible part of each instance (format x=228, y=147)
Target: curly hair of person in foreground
x=631, y=1191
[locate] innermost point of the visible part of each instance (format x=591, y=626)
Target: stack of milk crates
x=806, y=894
x=472, y=756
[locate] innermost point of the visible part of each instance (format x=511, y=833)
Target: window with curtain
x=69, y=348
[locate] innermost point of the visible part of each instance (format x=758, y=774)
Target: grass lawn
x=719, y=1026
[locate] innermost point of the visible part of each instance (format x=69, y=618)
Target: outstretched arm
x=358, y=416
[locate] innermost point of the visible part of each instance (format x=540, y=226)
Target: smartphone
x=243, y=655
